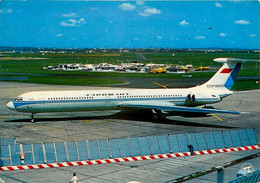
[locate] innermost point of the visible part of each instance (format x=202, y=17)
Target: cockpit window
x=18, y=99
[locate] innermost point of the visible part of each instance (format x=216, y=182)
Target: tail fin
x=226, y=75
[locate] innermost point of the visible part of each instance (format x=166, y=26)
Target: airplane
x=161, y=101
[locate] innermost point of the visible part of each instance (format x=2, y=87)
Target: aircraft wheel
x=159, y=117
x=155, y=117
x=163, y=117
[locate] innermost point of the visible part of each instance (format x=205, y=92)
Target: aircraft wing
x=167, y=106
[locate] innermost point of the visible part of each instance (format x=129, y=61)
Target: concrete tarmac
x=60, y=127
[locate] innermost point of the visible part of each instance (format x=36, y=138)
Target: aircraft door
x=107, y=99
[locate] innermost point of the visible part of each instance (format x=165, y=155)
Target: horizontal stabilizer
x=225, y=60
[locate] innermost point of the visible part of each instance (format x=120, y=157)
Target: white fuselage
x=84, y=100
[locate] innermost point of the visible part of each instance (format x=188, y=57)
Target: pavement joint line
x=127, y=159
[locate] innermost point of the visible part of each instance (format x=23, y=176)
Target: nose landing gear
x=32, y=117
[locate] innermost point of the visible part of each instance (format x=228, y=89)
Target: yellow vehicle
x=158, y=70
x=184, y=68
x=202, y=69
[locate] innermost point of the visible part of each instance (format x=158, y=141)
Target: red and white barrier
x=127, y=159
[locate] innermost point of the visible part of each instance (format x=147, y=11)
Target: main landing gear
x=32, y=119
x=158, y=115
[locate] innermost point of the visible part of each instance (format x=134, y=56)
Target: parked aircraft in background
x=161, y=101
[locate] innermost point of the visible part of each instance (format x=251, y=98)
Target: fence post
x=159, y=144
x=139, y=145
x=195, y=137
x=89, y=154
x=98, y=149
x=55, y=153
x=77, y=150
x=240, y=138
x=169, y=144
x=109, y=148
x=44, y=153
x=178, y=143
x=220, y=175
x=231, y=138
x=255, y=136
x=223, y=139
x=248, y=137
x=188, y=142
x=119, y=147
x=130, y=148
x=205, y=140
x=214, y=140
x=10, y=154
x=150, y=146
x=66, y=150
x=33, y=154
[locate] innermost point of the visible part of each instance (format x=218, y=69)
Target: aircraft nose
x=10, y=105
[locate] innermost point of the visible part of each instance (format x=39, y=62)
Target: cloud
x=200, y=37
x=4, y=11
x=144, y=14
x=218, y=5
x=159, y=37
x=72, y=22
x=59, y=35
x=127, y=7
x=252, y=35
x=150, y=11
x=242, y=22
x=222, y=34
x=136, y=38
x=183, y=23
x=69, y=15
x=140, y=3
x=94, y=9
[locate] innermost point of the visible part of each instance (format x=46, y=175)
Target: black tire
x=156, y=117
x=163, y=117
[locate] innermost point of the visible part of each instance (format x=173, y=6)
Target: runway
x=60, y=127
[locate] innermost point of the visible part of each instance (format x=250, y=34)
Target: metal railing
x=220, y=174
x=124, y=147
x=253, y=178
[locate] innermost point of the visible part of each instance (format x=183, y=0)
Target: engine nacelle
x=195, y=99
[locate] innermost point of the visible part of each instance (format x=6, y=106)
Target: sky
x=128, y=24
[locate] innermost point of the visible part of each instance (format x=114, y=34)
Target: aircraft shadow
x=147, y=117
x=132, y=115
